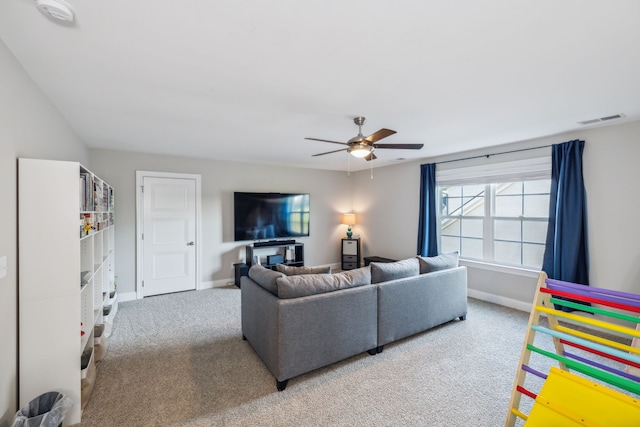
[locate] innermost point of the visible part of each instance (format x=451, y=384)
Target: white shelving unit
x=66, y=273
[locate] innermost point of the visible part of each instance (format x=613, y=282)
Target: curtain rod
x=494, y=154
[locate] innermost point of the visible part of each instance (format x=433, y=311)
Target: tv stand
x=278, y=249
x=273, y=243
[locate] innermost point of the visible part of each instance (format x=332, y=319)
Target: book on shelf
x=82, y=195
x=97, y=194
x=86, y=189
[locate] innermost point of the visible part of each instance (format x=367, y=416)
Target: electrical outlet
x=3, y=266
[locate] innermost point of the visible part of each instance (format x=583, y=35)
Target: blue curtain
x=428, y=216
x=566, y=255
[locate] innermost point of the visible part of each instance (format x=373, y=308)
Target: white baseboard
x=216, y=283
x=497, y=299
x=130, y=296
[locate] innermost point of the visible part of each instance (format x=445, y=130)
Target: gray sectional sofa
x=301, y=319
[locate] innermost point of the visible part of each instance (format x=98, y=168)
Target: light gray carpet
x=179, y=360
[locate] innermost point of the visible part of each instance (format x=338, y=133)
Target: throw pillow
x=440, y=262
x=385, y=271
x=311, y=284
x=265, y=277
x=294, y=271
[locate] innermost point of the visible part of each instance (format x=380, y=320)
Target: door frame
x=140, y=175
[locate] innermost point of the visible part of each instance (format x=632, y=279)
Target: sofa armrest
x=259, y=314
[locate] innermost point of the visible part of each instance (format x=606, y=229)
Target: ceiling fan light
x=360, y=150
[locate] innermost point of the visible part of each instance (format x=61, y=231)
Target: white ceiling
x=249, y=80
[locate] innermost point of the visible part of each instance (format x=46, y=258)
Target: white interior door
x=169, y=245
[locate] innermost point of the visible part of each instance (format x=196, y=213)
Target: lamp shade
x=349, y=218
x=360, y=150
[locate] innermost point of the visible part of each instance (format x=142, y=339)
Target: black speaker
x=241, y=269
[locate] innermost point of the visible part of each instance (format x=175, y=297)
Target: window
x=500, y=219
x=298, y=214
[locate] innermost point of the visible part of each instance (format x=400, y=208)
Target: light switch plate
x=3, y=266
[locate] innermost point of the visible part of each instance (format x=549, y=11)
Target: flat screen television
x=259, y=216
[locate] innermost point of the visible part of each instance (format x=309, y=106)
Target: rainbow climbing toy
x=596, y=381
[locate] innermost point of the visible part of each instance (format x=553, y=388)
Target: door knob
x=190, y=244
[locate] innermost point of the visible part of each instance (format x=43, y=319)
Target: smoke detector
x=59, y=10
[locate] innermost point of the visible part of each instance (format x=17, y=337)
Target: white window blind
x=516, y=170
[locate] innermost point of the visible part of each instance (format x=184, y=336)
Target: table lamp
x=349, y=219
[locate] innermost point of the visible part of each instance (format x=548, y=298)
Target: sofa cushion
x=311, y=284
x=439, y=262
x=265, y=277
x=385, y=271
x=290, y=270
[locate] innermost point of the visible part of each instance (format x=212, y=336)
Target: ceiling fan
x=363, y=147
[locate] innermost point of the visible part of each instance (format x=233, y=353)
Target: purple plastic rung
x=586, y=291
x=603, y=367
x=612, y=292
x=534, y=372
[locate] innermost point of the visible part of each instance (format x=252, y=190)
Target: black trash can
x=46, y=410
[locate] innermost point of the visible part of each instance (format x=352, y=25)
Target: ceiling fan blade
x=326, y=140
x=378, y=135
x=328, y=152
x=370, y=156
x=400, y=146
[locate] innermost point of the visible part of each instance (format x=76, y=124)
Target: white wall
x=30, y=126
x=387, y=210
x=330, y=195
x=611, y=178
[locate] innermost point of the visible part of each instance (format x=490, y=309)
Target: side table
x=370, y=259
x=350, y=254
